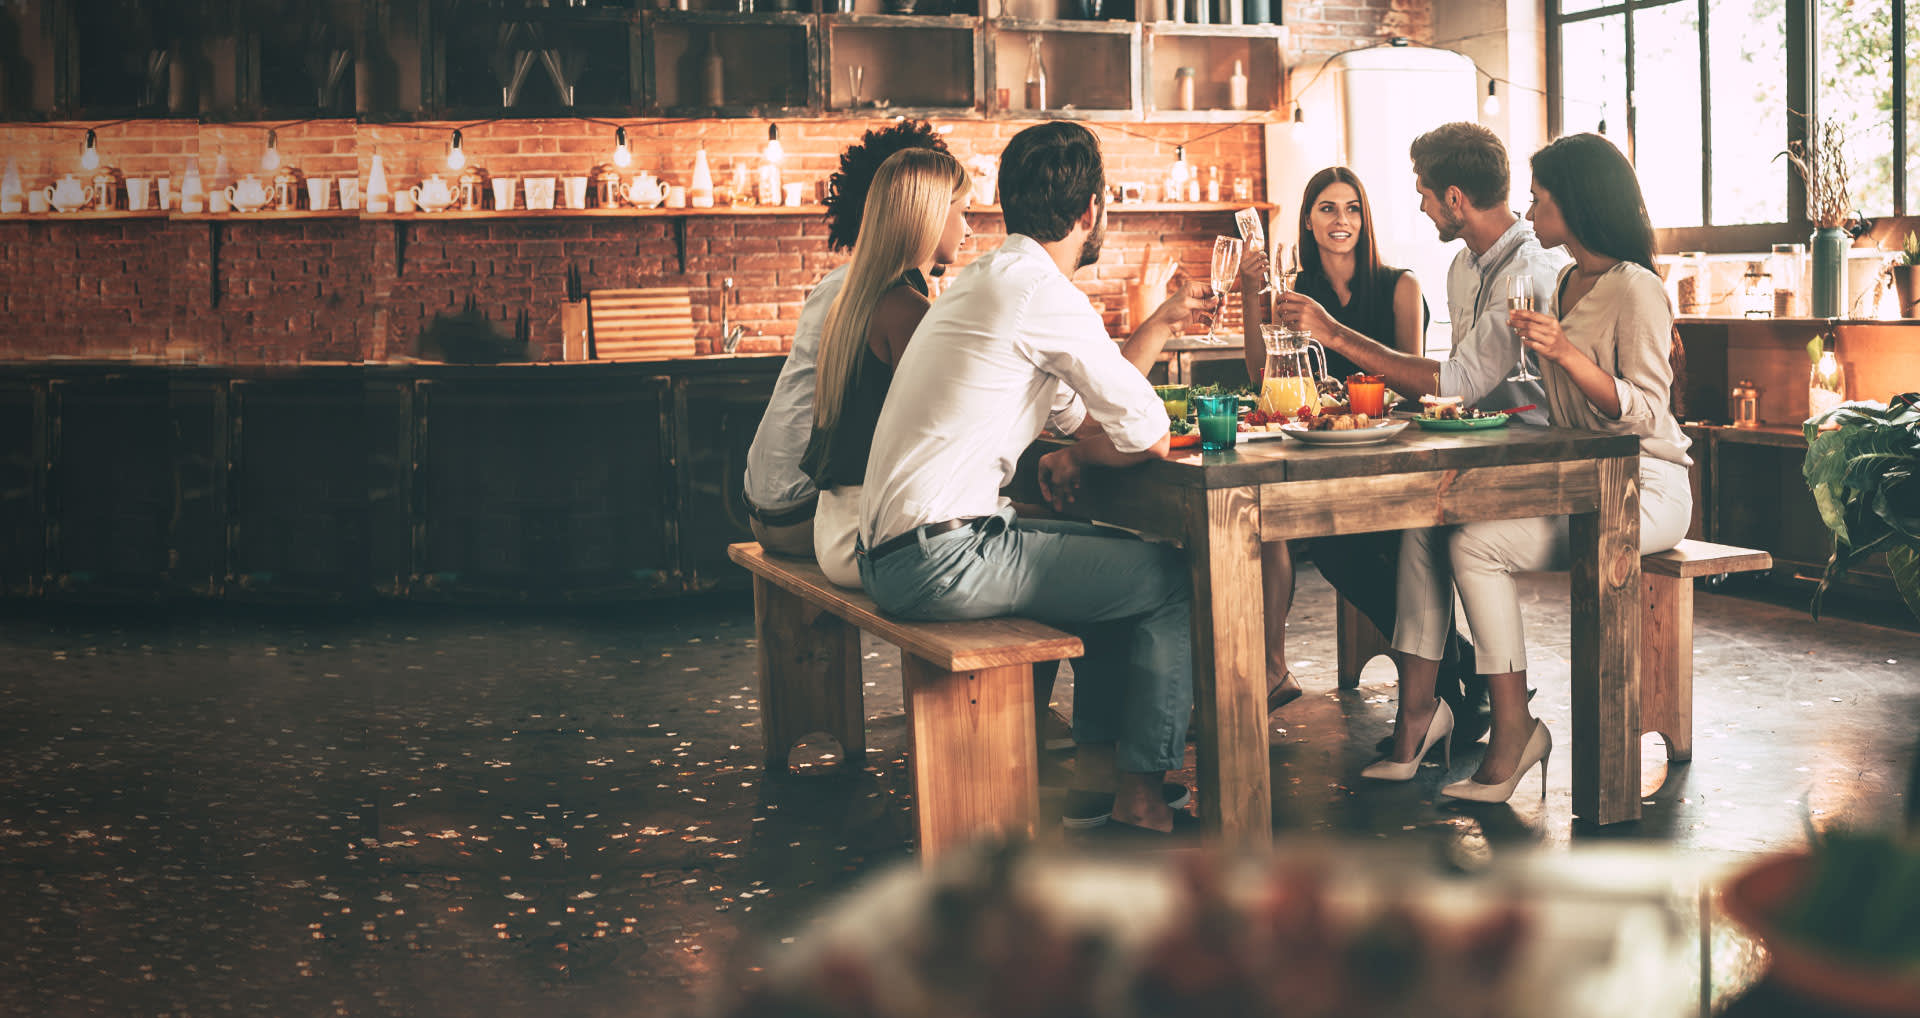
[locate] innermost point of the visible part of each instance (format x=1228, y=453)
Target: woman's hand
x=1542, y=334
x=1301, y=313
x=1253, y=269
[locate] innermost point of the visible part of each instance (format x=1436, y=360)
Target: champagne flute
x=1225, y=267
x=1289, y=267
x=1520, y=297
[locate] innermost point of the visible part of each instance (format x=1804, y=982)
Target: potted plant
x=1906, y=277
x=1863, y=466
x=1822, y=166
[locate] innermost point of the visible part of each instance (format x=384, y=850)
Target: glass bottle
x=1690, y=293
x=1183, y=88
x=700, y=190
x=1756, y=295
x=1785, y=265
x=1036, y=75
x=1827, y=383
x=1213, y=183
x=1743, y=405
x=1237, y=85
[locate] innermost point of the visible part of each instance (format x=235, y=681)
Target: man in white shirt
x=1461, y=172
x=780, y=496
x=1011, y=346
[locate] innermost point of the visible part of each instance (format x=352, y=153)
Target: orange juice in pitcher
x=1288, y=382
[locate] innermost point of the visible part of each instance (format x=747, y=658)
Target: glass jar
x=1183, y=88
x=1743, y=405
x=1690, y=283
x=1785, y=266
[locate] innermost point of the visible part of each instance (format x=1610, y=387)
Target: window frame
x=1801, y=34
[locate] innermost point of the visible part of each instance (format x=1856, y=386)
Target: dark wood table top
x=1414, y=450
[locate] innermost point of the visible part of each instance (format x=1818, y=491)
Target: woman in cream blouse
x=1605, y=367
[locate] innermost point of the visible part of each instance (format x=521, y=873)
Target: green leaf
x=1904, y=562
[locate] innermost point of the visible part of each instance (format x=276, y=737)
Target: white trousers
x=836, y=522
x=1479, y=560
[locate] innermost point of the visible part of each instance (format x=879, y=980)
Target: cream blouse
x=1625, y=324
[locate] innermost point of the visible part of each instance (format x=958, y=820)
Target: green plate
x=1469, y=424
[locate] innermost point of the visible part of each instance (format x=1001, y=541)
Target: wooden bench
x=968, y=688
x=1666, y=635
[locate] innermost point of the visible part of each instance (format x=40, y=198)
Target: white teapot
x=69, y=195
x=645, y=191
x=247, y=195
x=431, y=194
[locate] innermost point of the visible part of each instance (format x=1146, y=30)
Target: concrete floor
x=483, y=813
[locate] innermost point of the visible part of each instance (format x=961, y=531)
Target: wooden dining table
x=1221, y=505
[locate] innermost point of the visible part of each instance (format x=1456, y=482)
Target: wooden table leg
x=809, y=676
x=976, y=767
x=1229, y=664
x=1606, y=648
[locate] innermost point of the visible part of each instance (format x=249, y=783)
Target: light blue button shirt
x=1485, y=350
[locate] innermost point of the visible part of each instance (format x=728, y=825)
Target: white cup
x=796, y=193
x=503, y=188
x=349, y=193
x=576, y=192
x=36, y=200
x=137, y=194
x=676, y=197
x=319, y=189
x=402, y=201
x=218, y=202
x=163, y=187
x=539, y=192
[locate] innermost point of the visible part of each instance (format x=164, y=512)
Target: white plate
x=1379, y=432
x=1261, y=436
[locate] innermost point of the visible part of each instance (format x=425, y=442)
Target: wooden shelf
x=657, y=213
x=1795, y=323
x=91, y=215
x=1227, y=31
x=1161, y=206
x=1078, y=27
x=261, y=217
x=951, y=22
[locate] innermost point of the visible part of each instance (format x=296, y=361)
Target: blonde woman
x=915, y=219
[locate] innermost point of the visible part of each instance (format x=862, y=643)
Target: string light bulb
x=1491, y=107
x=456, y=156
x=90, y=156
x=622, y=156
x=271, y=161
x=773, y=151
x=1601, y=127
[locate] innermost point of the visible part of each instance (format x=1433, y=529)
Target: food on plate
x=1342, y=422
x=1448, y=408
x=1259, y=420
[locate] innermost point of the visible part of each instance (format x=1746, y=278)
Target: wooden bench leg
x=1359, y=641
x=975, y=767
x=1666, y=662
x=809, y=675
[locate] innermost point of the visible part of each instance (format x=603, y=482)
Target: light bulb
x=773, y=151
x=90, y=156
x=621, y=155
x=1828, y=365
x=271, y=161
x=1492, y=106
x=456, y=156
x=1181, y=173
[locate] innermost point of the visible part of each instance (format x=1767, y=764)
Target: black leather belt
x=893, y=544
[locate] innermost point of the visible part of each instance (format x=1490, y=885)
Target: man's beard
x=1090, y=249
x=1451, y=229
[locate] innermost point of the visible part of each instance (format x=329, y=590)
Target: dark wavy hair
x=1466, y=156
x=1599, y=197
x=1048, y=175
x=847, y=188
x=1366, y=255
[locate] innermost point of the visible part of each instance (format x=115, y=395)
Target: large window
x=1709, y=92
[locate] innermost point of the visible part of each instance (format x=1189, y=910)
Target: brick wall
x=345, y=289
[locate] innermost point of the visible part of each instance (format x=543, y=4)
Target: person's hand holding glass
x=1222, y=272
x=1520, y=298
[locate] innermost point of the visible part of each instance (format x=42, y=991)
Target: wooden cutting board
x=641, y=324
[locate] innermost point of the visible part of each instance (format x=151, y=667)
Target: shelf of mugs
x=262, y=215
x=450, y=215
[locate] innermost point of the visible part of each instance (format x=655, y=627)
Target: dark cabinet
x=110, y=486
x=22, y=457
x=533, y=61
x=541, y=490
x=299, y=475
x=717, y=418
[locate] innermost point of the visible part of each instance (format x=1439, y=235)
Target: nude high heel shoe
x=1440, y=729
x=1539, y=748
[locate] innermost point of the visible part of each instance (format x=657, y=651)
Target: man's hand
x=1191, y=303
x=1059, y=474
x=1302, y=313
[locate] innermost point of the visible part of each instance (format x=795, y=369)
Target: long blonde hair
x=905, y=214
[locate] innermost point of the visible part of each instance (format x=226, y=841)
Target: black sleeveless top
x=838, y=458
x=1372, y=318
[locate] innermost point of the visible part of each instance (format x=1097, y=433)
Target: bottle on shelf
x=1786, y=260
x=1237, y=87
x=1756, y=297
x=770, y=167
x=1183, y=87
x=716, y=73
x=1036, y=75
x=1743, y=405
x=1213, y=183
x=700, y=190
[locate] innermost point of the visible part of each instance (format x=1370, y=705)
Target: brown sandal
x=1285, y=693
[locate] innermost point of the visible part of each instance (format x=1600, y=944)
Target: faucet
x=730, y=334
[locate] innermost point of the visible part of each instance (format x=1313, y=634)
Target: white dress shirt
x=1002, y=353
x=774, y=478
x=1485, y=350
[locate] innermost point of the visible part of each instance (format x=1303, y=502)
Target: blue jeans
x=1134, y=687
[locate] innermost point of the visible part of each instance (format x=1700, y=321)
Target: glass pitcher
x=1288, y=383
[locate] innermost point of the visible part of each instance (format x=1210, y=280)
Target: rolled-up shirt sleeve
x=1064, y=337
x=1481, y=360
x=1643, y=374
x=1068, y=413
